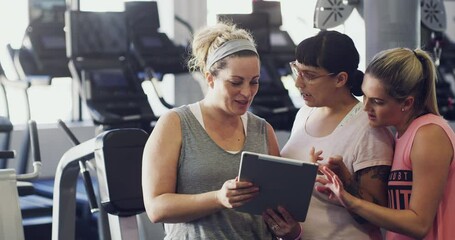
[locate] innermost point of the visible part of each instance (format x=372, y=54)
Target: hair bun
x=355, y=83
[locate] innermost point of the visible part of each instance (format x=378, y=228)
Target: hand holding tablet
x=282, y=182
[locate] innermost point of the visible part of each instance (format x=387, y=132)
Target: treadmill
x=97, y=46
x=276, y=50
x=151, y=53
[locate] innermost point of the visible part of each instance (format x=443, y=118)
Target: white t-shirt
x=360, y=145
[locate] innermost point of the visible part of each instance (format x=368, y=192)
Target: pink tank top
x=400, y=182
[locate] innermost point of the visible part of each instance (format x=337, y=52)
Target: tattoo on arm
x=353, y=187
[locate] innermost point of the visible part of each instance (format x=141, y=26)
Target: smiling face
x=236, y=85
x=382, y=109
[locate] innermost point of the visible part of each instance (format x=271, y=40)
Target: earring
x=402, y=109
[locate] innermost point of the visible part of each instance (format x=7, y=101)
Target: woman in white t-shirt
x=333, y=123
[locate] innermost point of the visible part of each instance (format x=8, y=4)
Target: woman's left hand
x=282, y=224
x=331, y=186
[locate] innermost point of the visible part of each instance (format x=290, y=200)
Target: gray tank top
x=204, y=166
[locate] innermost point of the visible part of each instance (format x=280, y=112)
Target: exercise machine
x=35, y=209
x=392, y=23
x=97, y=46
x=6, y=127
x=276, y=50
x=119, y=164
x=151, y=53
x=118, y=158
x=11, y=217
x=42, y=55
x=40, y=58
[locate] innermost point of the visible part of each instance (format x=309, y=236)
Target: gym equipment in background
x=42, y=55
x=6, y=127
x=11, y=217
x=40, y=58
x=97, y=45
x=434, y=41
x=387, y=28
x=118, y=156
x=151, y=53
x=119, y=165
x=276, y=50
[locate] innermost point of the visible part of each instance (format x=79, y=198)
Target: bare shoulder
x=166, y=137
x=274, y=148
x=170, y=118
x=167, y=125
x=269, y=128
x=431, y=141
x=431, y=134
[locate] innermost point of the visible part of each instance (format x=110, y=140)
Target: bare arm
x=159, y=175
x=431, y=155
x=370, y=184
x=272, y=141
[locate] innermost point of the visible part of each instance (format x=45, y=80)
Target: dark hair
x=335, y=52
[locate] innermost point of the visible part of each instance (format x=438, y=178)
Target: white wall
x=186, y=88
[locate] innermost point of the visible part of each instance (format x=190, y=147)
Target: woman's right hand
x=315, y=156
x=235, y=193
x=336, y=164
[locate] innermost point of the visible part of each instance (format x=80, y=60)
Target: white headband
x=228, y=48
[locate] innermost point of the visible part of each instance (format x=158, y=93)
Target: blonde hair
x=405, y=72
x=210, y=38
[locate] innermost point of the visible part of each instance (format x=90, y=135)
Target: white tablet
x=281, y=181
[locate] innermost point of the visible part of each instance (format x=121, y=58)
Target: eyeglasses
x=305, y=75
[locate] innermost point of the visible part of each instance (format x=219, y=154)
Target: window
x=49, y=103
x=297, y=17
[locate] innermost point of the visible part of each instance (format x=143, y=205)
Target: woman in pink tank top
x=399, y=91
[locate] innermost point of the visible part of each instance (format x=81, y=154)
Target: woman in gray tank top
x=191, y=159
